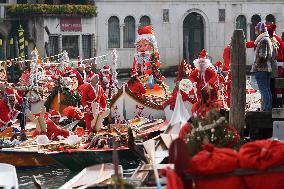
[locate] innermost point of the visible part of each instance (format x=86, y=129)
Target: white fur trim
x=279, y=95
x=280, y=64
x=91, y=78
x=104, y=70
x=207, y=63
x=11, y=95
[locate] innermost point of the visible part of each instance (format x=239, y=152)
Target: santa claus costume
x=135, y=85
x=145, y=45
x=92, y=92
x=52, y=129
x=80, y=73
x=8, y=113
x=106, y=81
x=205, y=76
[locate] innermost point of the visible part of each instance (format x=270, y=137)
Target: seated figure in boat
x=106, y=81
x=52, y=130
x=205, y=77
x=8, y=112
x=92, y=93
x=135, y=85
x=146, y=60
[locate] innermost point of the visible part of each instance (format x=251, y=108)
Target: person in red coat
x=106, y=81
x=52, y=128
x=8, y=112
x=227, y=58
x=205, y=77
x=80, y=73
x=92, y=92
x=135, y=85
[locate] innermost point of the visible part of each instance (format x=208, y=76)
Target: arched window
x=145, y=21
x=129, y=32
x=269, y=19
x=254, y=20
x=241, y=23
x=113, y=32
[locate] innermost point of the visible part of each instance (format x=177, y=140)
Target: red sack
x=213, y=161
x=263, y=154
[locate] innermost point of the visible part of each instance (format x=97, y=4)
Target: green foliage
x=214, y=129
x=45, y=9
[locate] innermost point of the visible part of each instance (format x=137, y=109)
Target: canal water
x=54, y=177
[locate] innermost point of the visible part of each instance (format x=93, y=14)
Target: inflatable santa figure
x=146, y=44
x=8, y=112
x=92, y=93
x=106, y=81
x=205, y=77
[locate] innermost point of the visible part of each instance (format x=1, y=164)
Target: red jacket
x=79, y=77
x=210, y=77
x=53, y=131
x=137, y=88
x=227, y=56
x=89, y=95
x=6, y=114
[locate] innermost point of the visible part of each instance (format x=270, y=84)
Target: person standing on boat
x=135, y=85
x=106, y=81
x=262, y=64
x=91, y=93
x=8, y=112
x=205, y=77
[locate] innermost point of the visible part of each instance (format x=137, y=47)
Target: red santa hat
x=202, y=58
x=147, y=33
x=106, y=68
x=80, y=64
x=10, y=92
x=54, y=114
x=92, y=76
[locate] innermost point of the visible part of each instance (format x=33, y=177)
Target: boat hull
x=26, y=160
x=125, y=105
x=78, y=160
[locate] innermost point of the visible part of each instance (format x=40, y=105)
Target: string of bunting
x=28, y=60
x=55, y=63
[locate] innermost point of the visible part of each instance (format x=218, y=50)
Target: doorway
x=193, y=36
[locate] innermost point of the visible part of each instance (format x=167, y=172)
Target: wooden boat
x=80, y=159
x=143, y=176
x=25, y=159
x=125, y=105
x=91, y=176
x=8, y=176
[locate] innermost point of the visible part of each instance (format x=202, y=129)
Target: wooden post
x=238, y=81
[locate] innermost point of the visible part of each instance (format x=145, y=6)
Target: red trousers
x=88, y=119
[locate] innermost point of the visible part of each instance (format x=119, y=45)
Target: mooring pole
x=238, y=81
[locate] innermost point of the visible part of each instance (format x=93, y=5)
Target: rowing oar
x=36, y=182
x=149, y=146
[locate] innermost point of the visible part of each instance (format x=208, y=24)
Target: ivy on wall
x=45, y=9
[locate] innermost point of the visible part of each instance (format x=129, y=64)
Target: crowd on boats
x=89, y=90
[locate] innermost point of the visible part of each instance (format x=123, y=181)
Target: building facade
x=182, y=27
x=49, y=33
